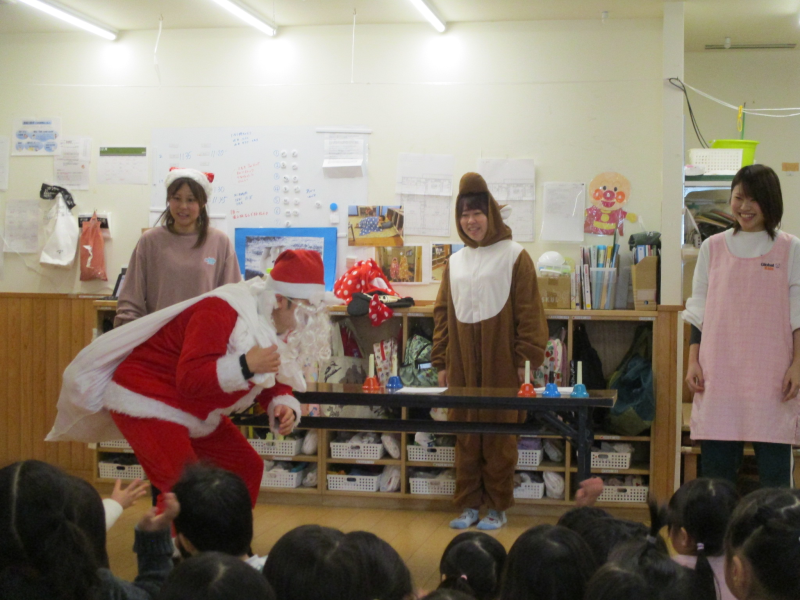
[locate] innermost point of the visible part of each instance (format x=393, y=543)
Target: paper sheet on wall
x=562, y=213
x=23, y=218
x=344, y=155
x=509, y=179
x=426, y=215
x=521, y=221
x=36, y=137
x=122, y=165
x=424, y=187
x=71, y=165
x=4, y=149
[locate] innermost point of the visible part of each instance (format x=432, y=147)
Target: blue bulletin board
x=257, y=248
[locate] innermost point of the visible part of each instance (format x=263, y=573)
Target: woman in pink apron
x=744, y=368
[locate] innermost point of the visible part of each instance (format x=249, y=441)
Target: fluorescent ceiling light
x=428, y=12
x=72, y=17
x=248, y=16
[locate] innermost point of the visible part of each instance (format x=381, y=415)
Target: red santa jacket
x=185, y=375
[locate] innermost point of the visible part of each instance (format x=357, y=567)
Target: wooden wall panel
x=664, y=443
x=39, y=335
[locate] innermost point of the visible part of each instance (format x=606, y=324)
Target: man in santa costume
x=167, y=381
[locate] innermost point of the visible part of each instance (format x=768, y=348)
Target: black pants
x=722, y=459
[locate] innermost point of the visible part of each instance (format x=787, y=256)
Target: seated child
x=215, y=576
x=698, y=516
x=547, y=562
x=46, y=553
x=649, y=559
x=601, y=532
x=762, y=546
x=473, y=563
x=216, y=514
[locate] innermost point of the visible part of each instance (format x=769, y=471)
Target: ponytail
x=705, y=578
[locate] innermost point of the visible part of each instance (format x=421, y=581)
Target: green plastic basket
x=748, y=148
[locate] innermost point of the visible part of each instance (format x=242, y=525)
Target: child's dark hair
x=703, y=508
x=479, y=201
x=547, y=562
x=215, y=576
x=294, y=563
x=310, y=562
x=649, y=557
x=202, y=200
x=613, y=582
x=379, y=571
x=761, y=184
x=216, y=514
x=473, y=563
x=90, y=516
x=43, y=552
x=446, y=594
x=600, y=530
x=765, y=530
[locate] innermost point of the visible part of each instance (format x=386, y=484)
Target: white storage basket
x=356, y=450
x=613, y=493
x=109, y=470
x=529, y=458
x=441, y=487
x=354, y=483
x=611, y=460
x=118, y=444
x=277, y=448
x=529, y=490
x=436, y=454
x=281, y=479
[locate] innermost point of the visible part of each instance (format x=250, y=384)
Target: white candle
x=372, y=365
x=394, y=364
x=527, y=371
x=580, y=372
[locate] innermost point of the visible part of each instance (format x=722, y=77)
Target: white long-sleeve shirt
x=742, y=245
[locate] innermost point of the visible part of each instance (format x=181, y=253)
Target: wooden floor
x=419, y=537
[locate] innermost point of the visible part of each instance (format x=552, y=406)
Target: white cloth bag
x=62, y=236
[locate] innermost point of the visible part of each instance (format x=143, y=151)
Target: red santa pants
x=164, y=449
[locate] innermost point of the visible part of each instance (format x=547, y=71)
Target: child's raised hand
x=589, y=491
x=791, y=382
x=152, y=521
x=694, y=377
x=285, y=416
x=127, y=497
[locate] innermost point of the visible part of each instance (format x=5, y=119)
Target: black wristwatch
x=246, y=372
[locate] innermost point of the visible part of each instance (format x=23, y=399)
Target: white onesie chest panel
x=480, y=280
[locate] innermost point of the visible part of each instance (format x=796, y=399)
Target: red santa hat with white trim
x=298, y=274
x=204, y=179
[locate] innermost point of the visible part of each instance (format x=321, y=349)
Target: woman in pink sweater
x=180, y=259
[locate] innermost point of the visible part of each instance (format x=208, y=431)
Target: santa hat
x=298, y=274
x=204, y=179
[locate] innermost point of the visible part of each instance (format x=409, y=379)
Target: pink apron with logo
x=746, y=348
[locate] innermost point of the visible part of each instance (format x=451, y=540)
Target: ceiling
x=707, y=21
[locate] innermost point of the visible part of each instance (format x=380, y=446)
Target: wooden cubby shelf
x=611, y=333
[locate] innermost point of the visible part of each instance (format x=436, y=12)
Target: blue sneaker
x=493, y=520
x=467, y=519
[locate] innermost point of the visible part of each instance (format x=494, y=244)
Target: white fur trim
x=229, y=373
x=122, y=400
x=192, y=174
x=321, y=299
x=283, y=400
x=302, y=291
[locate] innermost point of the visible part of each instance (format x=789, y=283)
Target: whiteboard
x=263, y=176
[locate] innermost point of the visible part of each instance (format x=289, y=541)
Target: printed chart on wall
x=424, y=188
x=513, y=184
